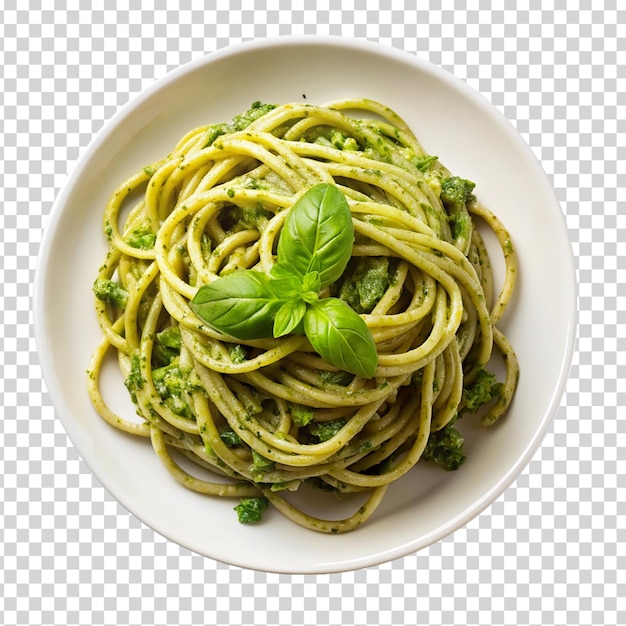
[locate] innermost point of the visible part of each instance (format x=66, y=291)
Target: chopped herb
x=327, y=430
x=445, y=448
x=331, y=138
x=424, y=163
x=167, y=346
x=250, y=510
x=134, y=381
x=239, y=122
x=230, y=437
x=111, y=292
x=260, y=464
x=171, y=383
x=367, y=280
x=238, y=218
x=459, y=225
x=342, y=141
x=455, y=194
x=483, y=389
x=237, y=353
x=170, y=338
x=142, y=238
x=300, y=415
x=456, y=191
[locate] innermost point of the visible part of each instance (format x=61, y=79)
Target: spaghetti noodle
x=270, y=416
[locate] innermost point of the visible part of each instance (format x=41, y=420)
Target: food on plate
x=301, y=298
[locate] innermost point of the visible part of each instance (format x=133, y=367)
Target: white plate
x=470, y=137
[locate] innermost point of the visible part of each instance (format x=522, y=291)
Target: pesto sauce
x=239, y=122
x=366, y=281
x=110, y=292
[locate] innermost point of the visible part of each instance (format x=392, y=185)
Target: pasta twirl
x=271, y=416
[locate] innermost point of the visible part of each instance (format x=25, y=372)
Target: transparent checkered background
x=550, y=550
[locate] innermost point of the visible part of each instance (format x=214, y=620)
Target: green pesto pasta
x=269, y=416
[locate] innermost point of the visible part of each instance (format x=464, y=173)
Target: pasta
x=269, y=416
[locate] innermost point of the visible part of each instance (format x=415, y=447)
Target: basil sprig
x=314, y=247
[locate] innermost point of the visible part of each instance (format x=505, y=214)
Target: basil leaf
x=288, y=317
x=241, y=304
x=311, y=282
x=341, y=337
x=286, y=285
x=317, y=235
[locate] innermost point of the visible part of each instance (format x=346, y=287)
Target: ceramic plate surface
x=452, y=121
